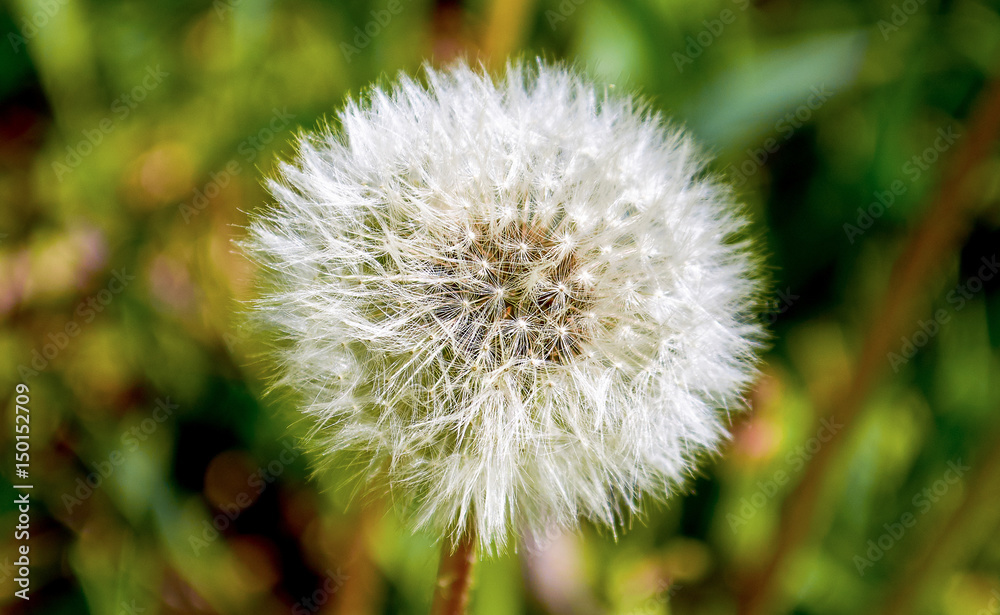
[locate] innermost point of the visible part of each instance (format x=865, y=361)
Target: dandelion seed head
x=517, y=302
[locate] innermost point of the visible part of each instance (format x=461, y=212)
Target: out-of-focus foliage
x=134, y=136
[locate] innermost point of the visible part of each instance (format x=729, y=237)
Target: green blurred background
x=134, y=137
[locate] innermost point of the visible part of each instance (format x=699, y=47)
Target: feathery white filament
x=516, y=301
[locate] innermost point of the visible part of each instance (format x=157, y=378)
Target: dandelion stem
x=451, y=596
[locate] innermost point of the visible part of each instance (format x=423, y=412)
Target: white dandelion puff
x=518, y=302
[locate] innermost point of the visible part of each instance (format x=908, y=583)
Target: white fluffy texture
x=516, y=302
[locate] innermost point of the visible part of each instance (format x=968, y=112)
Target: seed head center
x=513, y=295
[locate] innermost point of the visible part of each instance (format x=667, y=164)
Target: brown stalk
x=451, y=596
x=940, y=231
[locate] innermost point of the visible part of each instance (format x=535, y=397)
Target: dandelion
x=515, y=302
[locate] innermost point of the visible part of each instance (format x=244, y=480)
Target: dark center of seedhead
x=513, y=294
